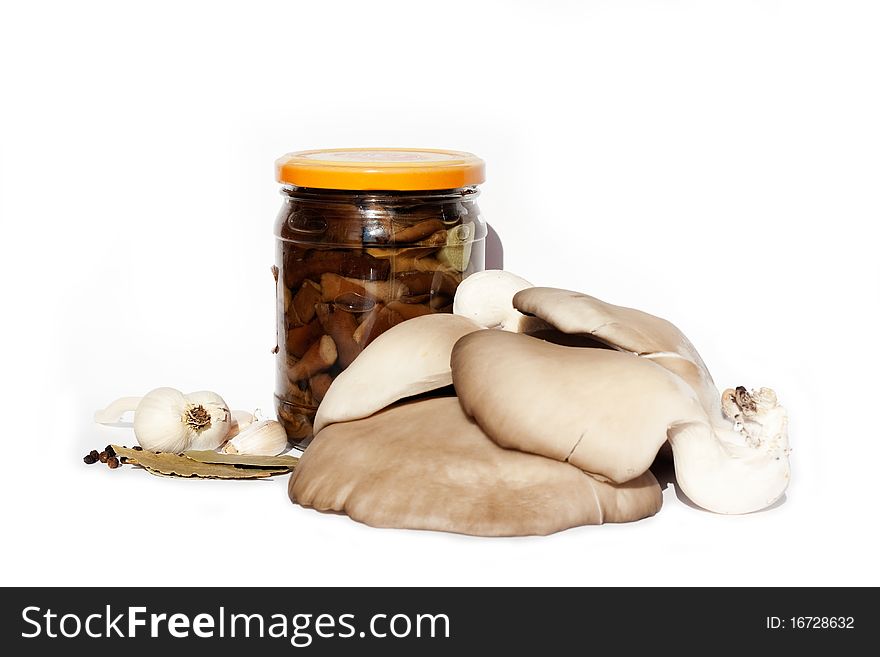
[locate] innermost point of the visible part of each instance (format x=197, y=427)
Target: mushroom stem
x=300, y=338
x=738, y=461
x=734, y=470
x=318, y=358
x=379, y=320
x=319, y=385
x=340, y=326
x=334, y=286
x=304, y=302
x=409, y=310
x=419, y=231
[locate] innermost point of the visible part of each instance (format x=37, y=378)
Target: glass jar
x=366, y=239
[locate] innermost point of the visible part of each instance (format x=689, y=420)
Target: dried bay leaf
x=165, y=463
x=243, y=460
x=212, y=471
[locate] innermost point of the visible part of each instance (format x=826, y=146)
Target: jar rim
x=318, y=195
x=380, y=169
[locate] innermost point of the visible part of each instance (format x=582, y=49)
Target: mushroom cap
x=626, y=329
x=486, y=297
x=406, y=360
x=426, y=465
x=605, y=411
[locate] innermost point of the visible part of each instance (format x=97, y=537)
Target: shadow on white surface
x=494, y=250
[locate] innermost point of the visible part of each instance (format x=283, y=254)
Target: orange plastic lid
x=397, y=169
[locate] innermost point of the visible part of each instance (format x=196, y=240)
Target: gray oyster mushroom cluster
x=562, y=403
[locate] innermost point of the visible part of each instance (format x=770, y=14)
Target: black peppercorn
x=102, y=457
x=123, y=459
x=138, y=448
x=113, y=463
x=94, y=454
x=88, y=459
x=110, y=451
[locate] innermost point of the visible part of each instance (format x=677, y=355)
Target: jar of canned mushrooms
x=366, y=238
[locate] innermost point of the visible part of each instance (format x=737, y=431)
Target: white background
x=715, y=163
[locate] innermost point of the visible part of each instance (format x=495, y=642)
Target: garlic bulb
x=166, y=420
x=263, y=438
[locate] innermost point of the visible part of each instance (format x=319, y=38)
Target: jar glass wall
x=350, y=264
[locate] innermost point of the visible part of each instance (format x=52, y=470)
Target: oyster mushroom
x=426, y=465
x=487, y=298
x=622, y=328
x=604, y=411
x=407, y=359
x=732, y=457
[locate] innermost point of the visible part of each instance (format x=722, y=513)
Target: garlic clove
x=114, y=412
x=243, y=418
x=263, y=438
x=239, y=421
